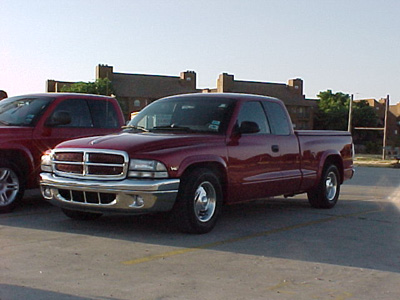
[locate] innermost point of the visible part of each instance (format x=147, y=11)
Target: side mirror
x=249, y=127
x=59, y=118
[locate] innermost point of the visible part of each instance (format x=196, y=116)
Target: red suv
x=32, y=124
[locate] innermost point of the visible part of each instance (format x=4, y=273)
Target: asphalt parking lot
x=270, y=249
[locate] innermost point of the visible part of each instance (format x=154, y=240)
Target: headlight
x=142, y=168
x=46, y=161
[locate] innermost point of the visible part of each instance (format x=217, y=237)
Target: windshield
x=187, y=114
x=22, y=110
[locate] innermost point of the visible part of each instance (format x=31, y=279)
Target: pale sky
x=349, y=46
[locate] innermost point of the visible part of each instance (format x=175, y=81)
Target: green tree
x=101, y=86
x=333, y=112
x=364, y=115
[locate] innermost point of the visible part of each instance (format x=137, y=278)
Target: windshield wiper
x=173, y=128
x=141, y=128
x=4, y=122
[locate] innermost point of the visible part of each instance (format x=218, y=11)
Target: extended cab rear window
x=277, y=117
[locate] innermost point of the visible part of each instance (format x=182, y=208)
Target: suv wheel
x=11, y=187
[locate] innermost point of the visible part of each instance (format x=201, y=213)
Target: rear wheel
x=11, y=186
x=81, y=215
x=199, y=202
x=327, y=192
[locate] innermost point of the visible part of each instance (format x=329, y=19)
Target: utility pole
x=350, y=113
x=385, y=127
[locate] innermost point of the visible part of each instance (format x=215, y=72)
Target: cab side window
x=278, y=118
x=253, y=112
x=79, y=111
x=103, y=114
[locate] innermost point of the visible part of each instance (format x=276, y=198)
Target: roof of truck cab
x=63, y=95
x=236, y=96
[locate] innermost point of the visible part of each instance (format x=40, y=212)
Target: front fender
x=200, y=159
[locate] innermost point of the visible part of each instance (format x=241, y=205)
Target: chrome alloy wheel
x=9, y=186
x=331, y=185
x=205, y=201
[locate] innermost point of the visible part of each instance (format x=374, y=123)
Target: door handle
x=275, y=148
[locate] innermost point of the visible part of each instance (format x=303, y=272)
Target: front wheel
x=81, y=215
x=326, y=194
x=199, y=202
x=11, y=186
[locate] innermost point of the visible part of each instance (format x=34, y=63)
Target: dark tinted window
x=193, y=114
x=79, y=111
x=277, y=117
x=254, y=112
x=103, y=114
x=22, y=110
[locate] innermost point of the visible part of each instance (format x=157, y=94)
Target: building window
x=303, y=112
x=300, y=113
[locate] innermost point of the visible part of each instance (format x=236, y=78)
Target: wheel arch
x=21, y=159
x=215, y=166
x=332, y=159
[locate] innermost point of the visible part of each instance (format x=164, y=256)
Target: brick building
x=135, y=91
x=301, y=110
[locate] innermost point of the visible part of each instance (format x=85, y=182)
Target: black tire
x=12, y=186
x=198, y=203
x=81, y=215
x=327, y=192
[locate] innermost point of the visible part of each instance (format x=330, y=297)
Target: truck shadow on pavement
x=355, y=233
x=11, y=292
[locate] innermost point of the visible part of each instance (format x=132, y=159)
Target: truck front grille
x=87, y=197
x=90, y=163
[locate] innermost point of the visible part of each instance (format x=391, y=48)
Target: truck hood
x=141, y=142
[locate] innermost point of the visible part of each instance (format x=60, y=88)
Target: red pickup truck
x=32, y=124
x=190, y=154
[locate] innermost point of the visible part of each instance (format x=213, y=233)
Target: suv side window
x=253, y=111
x=79, y=111
x=103, y=114
x=278, y=118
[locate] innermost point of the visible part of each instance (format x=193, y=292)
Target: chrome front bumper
x=125, y=196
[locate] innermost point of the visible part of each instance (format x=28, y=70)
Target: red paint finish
x=251, y=165
x=24, y=143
